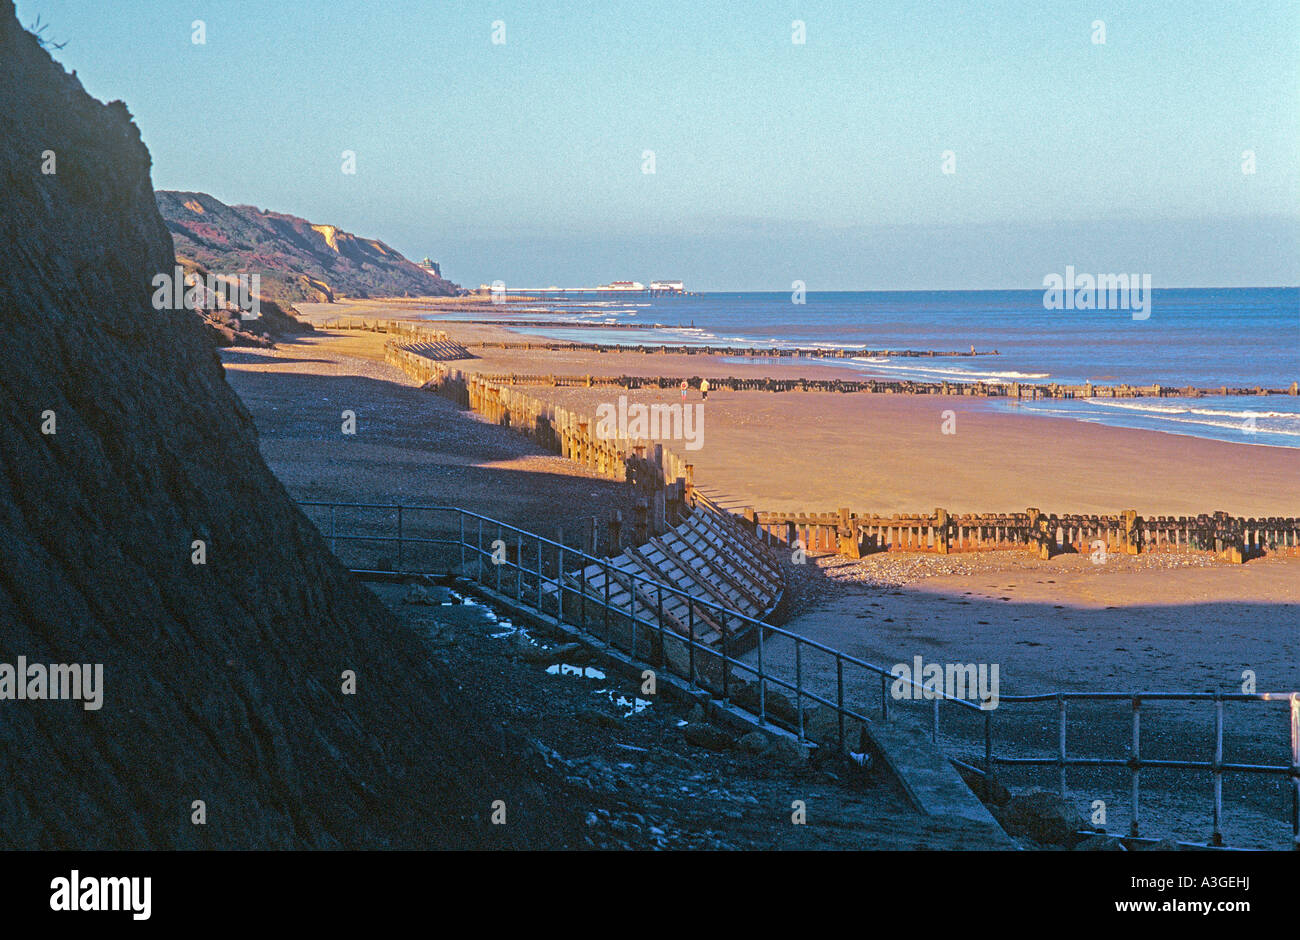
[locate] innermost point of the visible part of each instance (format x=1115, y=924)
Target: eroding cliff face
x=221, y=681
x=296, y=260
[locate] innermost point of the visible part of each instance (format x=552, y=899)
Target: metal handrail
x=1061, y=760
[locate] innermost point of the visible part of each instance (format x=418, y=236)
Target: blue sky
x=774, y=161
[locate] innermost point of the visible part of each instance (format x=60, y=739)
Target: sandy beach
x=1160, y=621
x=819, y=451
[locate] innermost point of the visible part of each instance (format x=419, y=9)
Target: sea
x=1236, y=337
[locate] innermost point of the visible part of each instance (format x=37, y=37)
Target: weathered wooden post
x=849, y=545
x=1131, y=533
x=1038, y=541
x=941, y=525
x=659, y=516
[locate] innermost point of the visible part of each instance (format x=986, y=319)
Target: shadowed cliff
x=221, y=681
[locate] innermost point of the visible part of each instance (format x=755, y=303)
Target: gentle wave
x=967, y=374
x=1174, y=409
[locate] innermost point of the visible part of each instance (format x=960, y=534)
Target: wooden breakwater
x=743, y=352
x=665, y=479
x=1013, y=390
x=1234, y=538
x=414, y=333
x=406, y=329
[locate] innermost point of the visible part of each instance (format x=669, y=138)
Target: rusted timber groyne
x=743, y=352
x=1234, y=538
x=664, y=477
x=1015, y=390
x=415, y=333
x=408, y=330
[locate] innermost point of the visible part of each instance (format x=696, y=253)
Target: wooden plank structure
x=1012, y=390
x=440, y=350
x=1235, y=538
x=646, y=464
x=711, y=556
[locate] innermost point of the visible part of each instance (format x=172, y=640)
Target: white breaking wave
x=1170, y=408
x=938, y=371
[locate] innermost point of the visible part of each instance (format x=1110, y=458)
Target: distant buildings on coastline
x=431, y=266
x=613, y=287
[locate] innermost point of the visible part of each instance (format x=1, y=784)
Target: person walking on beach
x=704, y=389
x=685, y=386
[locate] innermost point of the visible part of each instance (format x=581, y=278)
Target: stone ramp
x=930, y=781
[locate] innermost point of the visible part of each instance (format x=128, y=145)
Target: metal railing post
x=988, y=752
x=399, y=537
x=1216, y=837
x=798, y=683
x=690, y=643
x=726, y=664
x=498, y=566
x=605, y=606
x=519, y=568
x=660, y=613
x=1136, y=762
x=762, y=679
x=1060, y=753
x=582, y=598
x=631, y=610
x=460, y=515
x=1295, y=770
x=839, y=694
x=884, y=697
x=333, y=530
x=559, y=586
x=539, y=574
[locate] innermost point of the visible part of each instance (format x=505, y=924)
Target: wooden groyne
x=1020, y=391
x=1234, y=538
x=664, y=477
x=415, y=334
x=406, y=329
x=743, y=352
